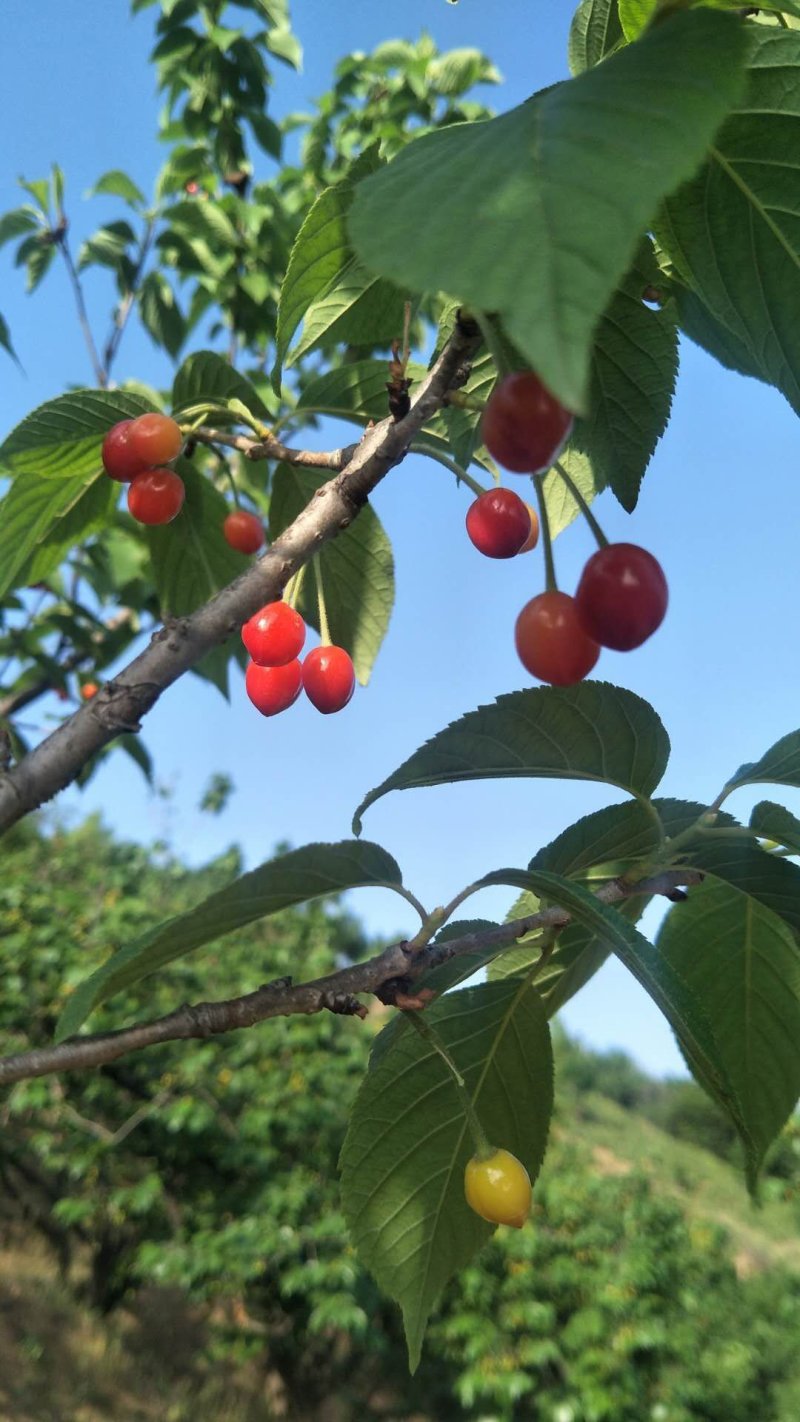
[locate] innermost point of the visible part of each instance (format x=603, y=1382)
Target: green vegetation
x=190, y=1195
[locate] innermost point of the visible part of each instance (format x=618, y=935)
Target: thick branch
x=177, y=647
x=389, y=976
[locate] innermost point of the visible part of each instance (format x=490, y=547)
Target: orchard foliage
x=573, y=236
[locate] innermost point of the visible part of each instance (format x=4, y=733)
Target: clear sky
x=718, y=509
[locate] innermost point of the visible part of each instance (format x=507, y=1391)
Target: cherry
x=498, y=523
x=533, y=537
x=551, y=641
x=498, y=1188
x=120, y=459
x=155, y=439
x=156, y=496
x=524, y=426
x=275, y=635
x=328, y=678
x=273, y=689
x=243, y=531
x=622, y=596
x=89, y=690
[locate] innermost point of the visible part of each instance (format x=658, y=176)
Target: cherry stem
x=324, y=628
x=479, y=1138
x=227, y=468
x=602, y=541
x=291, y=593
x=461, y=474
x=547, y=542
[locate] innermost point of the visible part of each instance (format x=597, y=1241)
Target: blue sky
x=717, y=509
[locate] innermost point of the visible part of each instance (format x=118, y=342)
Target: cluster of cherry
x=274, y=637
x=622, y=595
x=137, y=452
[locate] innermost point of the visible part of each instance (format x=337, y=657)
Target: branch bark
x=388, y=976
x=179, y=645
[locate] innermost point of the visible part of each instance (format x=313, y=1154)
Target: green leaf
x=744, y=865
x=518, y=183
x=284, y=45
x=592, y=731
x=17, y=223
x=407, y=1145
x=780, y=765
x=664, y=985
x=635, y=16
x=355, y=391
x=771, y=821
x=562, y=508
x=62, y=438
x=303, y=874
x=118, y=184
x=204, y=219
x=357, y=570
x=268, y=134
x=733, y=233
x=742, y=963
x=5, y=340
x=160, y=313
x=41, y=520
x=208, y=377
x=39, y=262
x=634, y=366
x=107, y=246
x=594, y=33
x=319, y=255
x=190, y=557
x=359, y=310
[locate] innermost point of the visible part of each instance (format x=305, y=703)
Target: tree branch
x=60, y=237
x=388, y=976
x=271, y=448
x=179, y=645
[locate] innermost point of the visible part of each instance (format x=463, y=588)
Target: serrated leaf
x=268, y=134
x=780, y=765
x=775, y=822
x=732, y=232
x=519, y=182
x=592, y=731
x=407, y=1143
x=738, y=861
x=319, y=255
x=633, y=371
x=669, y=991
x=594, y=33
x=118, y=184
x=742, y=963
x=107, y=246
x=62, y=438
x=635, y=15
x=190, y=558
x=204, y=219
x=38, y=263
x=358, y=310
x=357, y=570
x=208, y=377
x=355, y=391
x=42, y=519
x=311, y=872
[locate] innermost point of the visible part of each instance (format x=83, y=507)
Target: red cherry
x=524, y=426
x=156, y=496
x=622, y=596
x=498, y=523
x=551, y=642
x=243, y=531
x=156, y=439
x=120, y=460
x=89, y=690
x=328, y=678
x=273, y=689
x=275, y=635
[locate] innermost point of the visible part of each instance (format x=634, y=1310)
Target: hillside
x=149, y=1361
